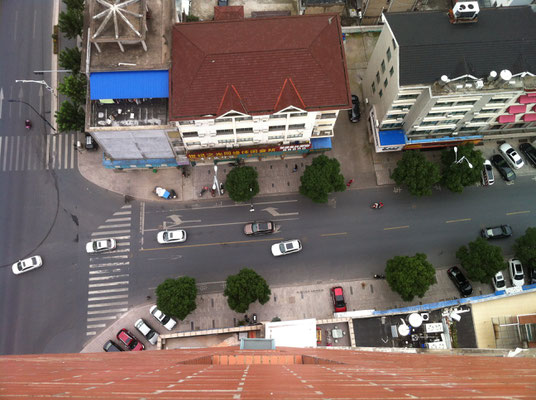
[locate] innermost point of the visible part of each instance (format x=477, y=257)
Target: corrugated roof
x=430, y=46
x=256, y=57
x=129, y=85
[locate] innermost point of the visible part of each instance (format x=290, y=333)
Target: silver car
x=168, y=322
x=149, y=333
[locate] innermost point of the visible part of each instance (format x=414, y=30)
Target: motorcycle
x=165, y=194
x=28, y=124
x=185, y=171
x=222, y=191
x=377, y=205
x=379, y=276
x=203, y=190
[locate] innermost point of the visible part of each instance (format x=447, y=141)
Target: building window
x=244, y=130
x=480, y=119
x=388, y=54
x=391, y=71
x=429, y=123
x=378, y=77
x=277, y=128
x=385, y=83
x=224, y=132
x=373, y=88
x=275, y=137
x=383, y=66
x=294, y=115
x=461, y=112
x=296, y=126
x=245, y=140
x=466, y=103
x=243, y=119
x=189, y=134
x=329, y=115
x=492, y=101
x=407, y=96
x=381, y=93
x=394, y=44
x=273, y=116
x=193, y=143
x=297, y=135
x=223, y=141
x=449, y=104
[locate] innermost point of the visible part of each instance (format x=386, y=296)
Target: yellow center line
x=458, y=220
x=518, y=212
x=212, y=244
x=396, y=227
x=334, y=234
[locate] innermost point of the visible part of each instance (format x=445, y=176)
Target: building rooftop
x=430, y=46
x=258, y=66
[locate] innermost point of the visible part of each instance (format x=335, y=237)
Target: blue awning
x=321, y=143
x=390, y=138
x=129, y=85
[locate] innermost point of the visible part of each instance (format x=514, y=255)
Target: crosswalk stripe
x=101, y=318
x=57, y=151
x=122, y=244
x=122, y=212
x=115, y=303
x=110, y=232
x=108, y=291
x=17, y=152
x=114, y=226
x=113, y=264
x=25, y=146
x=2, y=148
x=48, y=139
x=67, y=147
x=11, y=154
x=91, y=333
x=108, y=284
x=104, y=271
x=115, y=310
x=93, y=259
x=96, y=326
x=104, y=278
x=118, y=219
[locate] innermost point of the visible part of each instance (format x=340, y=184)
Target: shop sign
x=247, y=152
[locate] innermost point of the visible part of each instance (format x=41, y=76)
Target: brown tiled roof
x=228, y=13
x=265, y=61
x=286, y=373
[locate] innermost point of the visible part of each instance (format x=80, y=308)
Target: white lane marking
x=34, y=19
x=47, y=154
x=91, y=333
x=6, y=148
x=96, y=326
x=66, y=148
x=119, y=296
x=118, y=219
x=127, y=206
x=11, y=153
x=115, y=264
x=101, y=318
x=115, y=303
x=108, y=291
x=116, y=310
x=58, y=152
x=17, y=154
x=73, y=150
x=122, y=213
x=104, y=271
x=24, y=148
x=110, y=233
x=225, y=224
x=1, y=137
x=53, y=152
x=113, y=226
x=223, y=206
x=104, y=278
x=108, y=284
x=93, y=259
x=122, y=244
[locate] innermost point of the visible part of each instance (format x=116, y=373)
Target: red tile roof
x=228, y=13
x=267, y=63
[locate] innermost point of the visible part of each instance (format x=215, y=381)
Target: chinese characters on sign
x=248, y=152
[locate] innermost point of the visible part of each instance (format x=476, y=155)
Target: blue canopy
x=321, y=143
x=129, y=85
x=395, y=137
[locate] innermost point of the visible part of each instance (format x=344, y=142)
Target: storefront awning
x=529, y=117
x=321, y=143
x=527, y=99
x=517, y=109
x=504, y=119
x=129, y=85
x=392, y=138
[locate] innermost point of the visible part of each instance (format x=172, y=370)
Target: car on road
x=511, y=155
x=99, y=245
x=129, y=340
x=148, y=333
x=516, y=272
x=337, y=296
x=502, y=166
x=176, y=236
x=168, y=322
x=354, y=114
x=529, y=151
x=111, y=346
x=259, y=228
x=286, y=247
x=499, y=283
x=26, y=265
x=496, y=232
x=488, y=177
x=460, y=281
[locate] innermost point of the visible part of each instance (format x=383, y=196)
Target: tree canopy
x=70, y=117
x=74, y=86
x=322, y=177
x=457, y=175
x=242, y=184
x=410, y=276
x=176, y=297
x=525, y=248
x=481, y=260
x=417, y=173
x=245, y=288
x=70, y=59
x=71, y=22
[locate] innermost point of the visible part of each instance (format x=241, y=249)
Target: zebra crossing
x=109, y=273
x=36, y=152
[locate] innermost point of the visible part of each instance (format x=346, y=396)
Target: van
x=487, y=174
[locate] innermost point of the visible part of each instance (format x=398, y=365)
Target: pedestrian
x=295, y=168
x=349, y=182
x=251, y=209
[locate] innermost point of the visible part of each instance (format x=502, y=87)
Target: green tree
x=410, y=276
x=74, y=4
x=74, y=86
x=192, y=18
x=320, y=178
x=70, y=117
x=417, y=173
x=176, y=297
x=525, y=248
x=71, y=22
x=457, y=175
x=245, y=288
x=242, y=184
x=70, y=59
x=481, y=260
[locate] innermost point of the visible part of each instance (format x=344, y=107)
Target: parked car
x=26, y=265
x=259, y=228
x=532, y=275
x=149, y=333
x=97, y=246
x=286, y=247
x=511, y=155
x=90, y=143
x=502, y=166
x=499, y=283
x=168, y=322
x=460, y=281
x=354, y=113
x=516, y=272
x=529, y=151
x=337, y=296
x=496, y=232
x=488, y=177
x=129, y=340
x=176, y=236
x=111, y=346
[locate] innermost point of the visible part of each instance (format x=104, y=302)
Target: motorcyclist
x=28, y=124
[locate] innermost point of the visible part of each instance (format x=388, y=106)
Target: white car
x=177, y=236
x=286, y=247
x=26, y=265
x=168, y=322
x=96, y=246
x=516, y=272
x=511, y=155
x=147, y=332
x=499, y=283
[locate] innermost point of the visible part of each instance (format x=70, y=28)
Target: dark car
x=532, y=275
x=128, y=339
x=496, y=232
x=354, y=113
x=337, y=296
x=90, y=143
x=111, y=346
x=259, y=228
x=460, y=281
x=502, y=166
x=529, y=151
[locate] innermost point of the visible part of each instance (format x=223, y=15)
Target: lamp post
x=50, y=89
x=456, y=161
x=216, y=185
x=29, y=105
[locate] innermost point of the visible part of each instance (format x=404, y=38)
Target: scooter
x=165, y=194
x=377, y=205
x=222, y=190
x=379, y=276
x=254, y=318
x=28, y=124
x=203, y=190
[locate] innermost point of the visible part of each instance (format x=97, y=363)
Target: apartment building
x=439, y=80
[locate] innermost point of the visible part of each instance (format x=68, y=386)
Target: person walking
x=295, y=168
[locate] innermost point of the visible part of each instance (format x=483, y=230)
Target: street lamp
x=50, y=89
x=29, y=105
x=456, y=161
x=216, y=185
